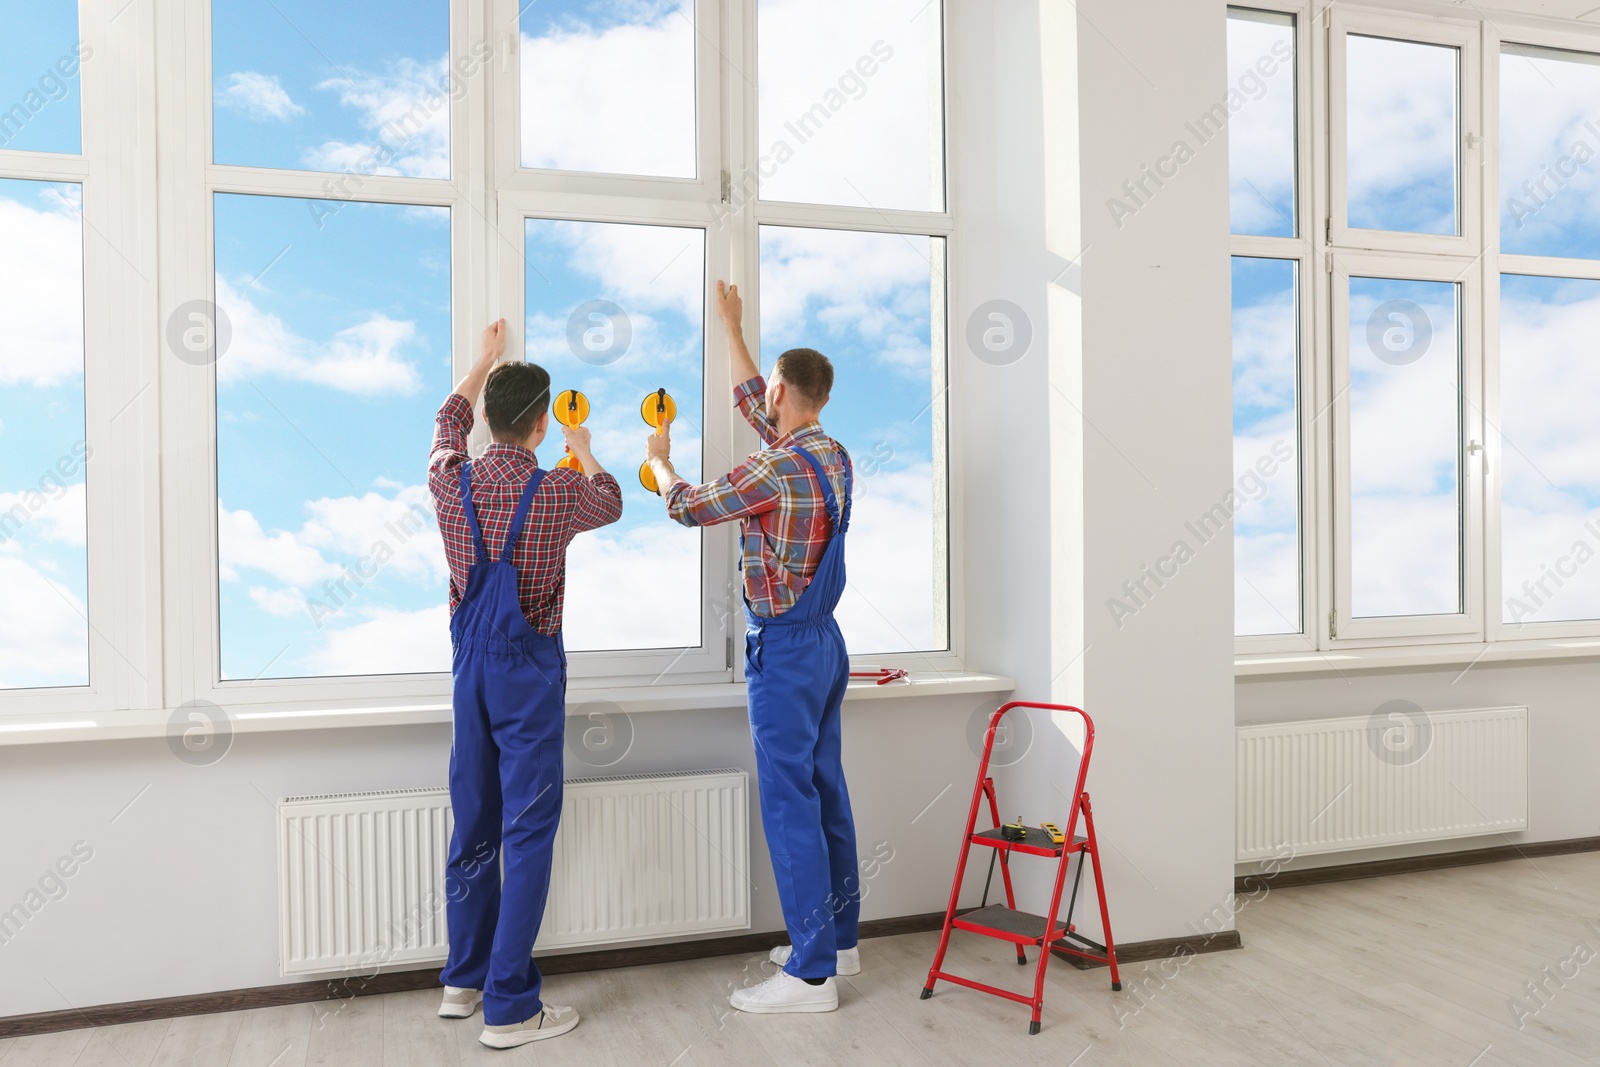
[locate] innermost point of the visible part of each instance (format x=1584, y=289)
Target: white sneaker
x=459, y=1003
x=553, y=1020
x=783, y=992
x=849, y=959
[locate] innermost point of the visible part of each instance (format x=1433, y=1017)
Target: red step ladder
x=1019, y=927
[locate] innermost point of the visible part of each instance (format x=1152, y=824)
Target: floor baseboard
x=1411, y=864
x=424, y=978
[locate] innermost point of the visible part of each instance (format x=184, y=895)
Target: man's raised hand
x=659, y=444
x=494, y=341
x=730, y=305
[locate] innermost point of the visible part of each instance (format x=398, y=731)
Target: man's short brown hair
x=514, y=397
x=808, y=372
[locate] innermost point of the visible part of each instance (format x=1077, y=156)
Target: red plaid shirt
x=785, y=526
x=567, y=504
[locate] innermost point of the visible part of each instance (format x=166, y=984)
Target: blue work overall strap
x=520, y=516
x=472, y=515
x=841, y=523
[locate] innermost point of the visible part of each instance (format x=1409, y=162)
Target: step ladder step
x=1035, y=844
x=1007, y=924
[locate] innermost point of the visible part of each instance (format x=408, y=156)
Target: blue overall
x=796, y=669
x=505, y=778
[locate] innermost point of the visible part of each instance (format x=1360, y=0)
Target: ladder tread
x=1008, y=924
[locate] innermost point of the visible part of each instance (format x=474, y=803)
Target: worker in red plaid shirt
x=792, y=499
x=506, y=524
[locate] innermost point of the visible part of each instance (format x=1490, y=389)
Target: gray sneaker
x=553, y=1020
x=459, y=1003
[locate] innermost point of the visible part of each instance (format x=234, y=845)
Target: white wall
x=1063, y=507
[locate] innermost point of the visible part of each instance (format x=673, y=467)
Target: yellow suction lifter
x=571, y=408
x=657, y=409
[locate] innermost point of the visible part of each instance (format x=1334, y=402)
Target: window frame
x=115, y=170
x=1348, y=630
x=1497, y=264
x=1310, y=388
x=1331, y=252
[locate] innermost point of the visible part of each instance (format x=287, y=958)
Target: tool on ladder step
x=1006, y=922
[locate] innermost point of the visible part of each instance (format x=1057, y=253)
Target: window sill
x=1401, y=656
x=631, y=700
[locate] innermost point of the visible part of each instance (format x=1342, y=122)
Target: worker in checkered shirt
x=506, y=525
x=792, y=500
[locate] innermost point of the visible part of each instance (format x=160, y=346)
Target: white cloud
x=1261, y=135
x=1548, y=107
x=285, y=603
x=244, y=546
x=41, y=293
x=44, y=632
x=364, y=359
x=888, y=605
x=402, y=524
x=873, y=288
x=619, y=99
x=638, y=588
x=260, y=96
x=387, y=642
x=1402, y=129
x=407, y=108
x=56, y=515
x=1266, y=597
x=642, y=268
x=879, y=144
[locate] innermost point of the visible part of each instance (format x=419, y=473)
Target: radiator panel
x=361, y=875
x=1328, y=785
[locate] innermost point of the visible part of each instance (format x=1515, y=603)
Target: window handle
x=1473, y=448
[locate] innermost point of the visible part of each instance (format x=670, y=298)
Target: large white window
x=1425, y=326
x=331, y=203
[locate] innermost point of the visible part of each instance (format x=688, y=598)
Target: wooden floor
x=1410, y=969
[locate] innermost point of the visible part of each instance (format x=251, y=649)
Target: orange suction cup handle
x=571, y=408
x=656, y=406
x=570, y=462
x=647, y=478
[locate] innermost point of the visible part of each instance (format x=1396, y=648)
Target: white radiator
x=1331, y=785
x=361, y=875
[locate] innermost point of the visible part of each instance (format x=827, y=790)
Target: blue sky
x=37, y=38
x=340, y=356
x=300, y=84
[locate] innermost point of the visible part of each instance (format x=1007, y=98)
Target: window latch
x=1473, y=140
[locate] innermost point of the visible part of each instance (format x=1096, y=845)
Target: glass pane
x=1401, y=132
x=868, y=301
x=356, y=87
x=333, y=335
x=1550, y=500
x=616, y=311
x=44, y=562
x=608, y=85
x=40, y=58
x=850, y=104
x=1405, y=468
x=1266, y=437
x=1549, y=138
x=1261, y=127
